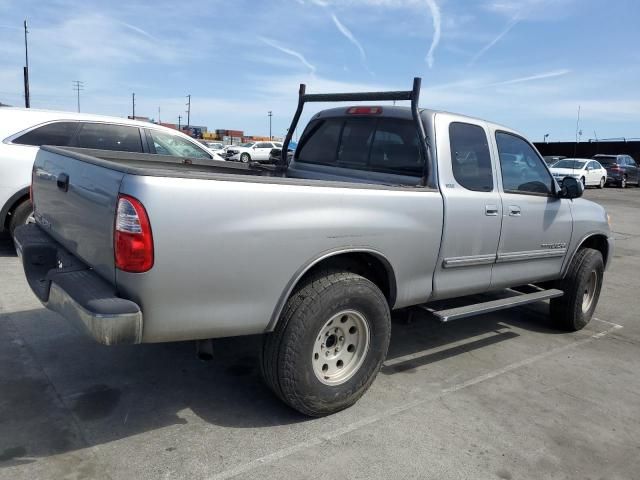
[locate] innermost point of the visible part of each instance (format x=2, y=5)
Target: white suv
x=22, y=131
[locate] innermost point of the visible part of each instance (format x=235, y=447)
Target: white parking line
x=288, y=451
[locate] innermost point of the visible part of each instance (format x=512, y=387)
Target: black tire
x=623, y=182
x=567, y=311
x=287, y=364
x=602, y=183
x=20, y=215
x=245, y=158
x=584, y=183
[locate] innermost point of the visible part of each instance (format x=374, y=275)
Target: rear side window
x=376, y=144
x=470, y=157
x=109, y=137
x=58, y=134
x=607, y=161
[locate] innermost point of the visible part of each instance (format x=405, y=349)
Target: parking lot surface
x=504, y=395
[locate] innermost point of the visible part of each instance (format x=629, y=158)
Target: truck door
x=536, y=224
x=472, y=207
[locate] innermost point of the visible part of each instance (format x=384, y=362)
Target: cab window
x=470, y=157
x=522, y=168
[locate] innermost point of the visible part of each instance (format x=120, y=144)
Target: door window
x=264, y=145
x=470, y=157
x=109, y=137
x=522, y=168
x=168, y=144
x=57, y=133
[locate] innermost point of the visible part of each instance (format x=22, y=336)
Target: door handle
x=514, y=211
x=491, y=210
x=63, y=182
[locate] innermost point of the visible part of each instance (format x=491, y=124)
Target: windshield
x=247, y=145
x=575, y=164
x=607, y=160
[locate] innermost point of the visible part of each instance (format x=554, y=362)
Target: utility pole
x=78, y=85
x=546, y=135
x=158, y=114
x=27, y=96
x=188, y=110
x=179, y=118
x=270, y=115
x=133, y=105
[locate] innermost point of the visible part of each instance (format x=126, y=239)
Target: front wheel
x=329, y=344
x=602, y=182
x=581, y=288
x=244, y=158
x=623, y=182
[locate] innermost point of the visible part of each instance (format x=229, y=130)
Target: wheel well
x=9, y=208
x=597, y=242
x=366, y=264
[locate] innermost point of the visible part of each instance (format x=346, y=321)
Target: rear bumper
x=67, y=286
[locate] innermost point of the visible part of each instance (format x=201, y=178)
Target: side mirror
x=254, y=147
x=571, y=188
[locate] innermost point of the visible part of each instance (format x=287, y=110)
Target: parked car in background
x=621, y=169
x=587, y=171
x=552, y=159
x=276, y=153
x=215, y=147
x=23, y=131
x=252, y=151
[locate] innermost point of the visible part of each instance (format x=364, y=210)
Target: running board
x=493, y=305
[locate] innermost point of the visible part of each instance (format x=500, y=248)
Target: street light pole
x=27, y=96
x=270, y=115
x=179, y=118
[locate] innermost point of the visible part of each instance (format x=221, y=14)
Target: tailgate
x=75, y=202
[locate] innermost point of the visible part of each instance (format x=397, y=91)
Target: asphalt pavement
x=499, y=396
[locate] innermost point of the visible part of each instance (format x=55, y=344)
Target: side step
x=493, y=305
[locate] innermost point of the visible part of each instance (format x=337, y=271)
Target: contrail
x=512, y=23
x=138, y=30
x=288, y=51
x=347, y=33
x=530, y=78
x=437, y=22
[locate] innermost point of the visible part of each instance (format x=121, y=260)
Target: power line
x=78, y=85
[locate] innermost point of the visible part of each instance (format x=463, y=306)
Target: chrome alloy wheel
x=589, y=291
x=341, y=347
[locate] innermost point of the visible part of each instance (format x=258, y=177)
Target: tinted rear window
x=605, y=161
x=377, y=144
x=109, y=137
x=58, y=134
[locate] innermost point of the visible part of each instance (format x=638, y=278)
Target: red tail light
x=364, y=110
x=615, y=167
x=133, y=241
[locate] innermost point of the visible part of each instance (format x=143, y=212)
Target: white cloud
x=349, y=36
x=437, y=22
x=289, y=51
x=512, y=23
x=531, y=78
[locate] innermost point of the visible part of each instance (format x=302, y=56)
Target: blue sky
x=525, y=63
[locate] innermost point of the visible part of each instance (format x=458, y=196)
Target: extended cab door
x=536, y=224
x=473, y=211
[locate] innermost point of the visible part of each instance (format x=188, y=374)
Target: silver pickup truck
x=379, y=208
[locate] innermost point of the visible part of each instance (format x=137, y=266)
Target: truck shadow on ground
x=62, y=392
x=6, y=246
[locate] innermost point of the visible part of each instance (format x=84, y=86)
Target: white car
x=22, y=131
x=587, y=171
x=252, y=151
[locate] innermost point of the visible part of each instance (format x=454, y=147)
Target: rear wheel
x=581, y=288
x=22, y=214
x=623, y=182
x=602, y=182
x=244, y=158
x=329, y=344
